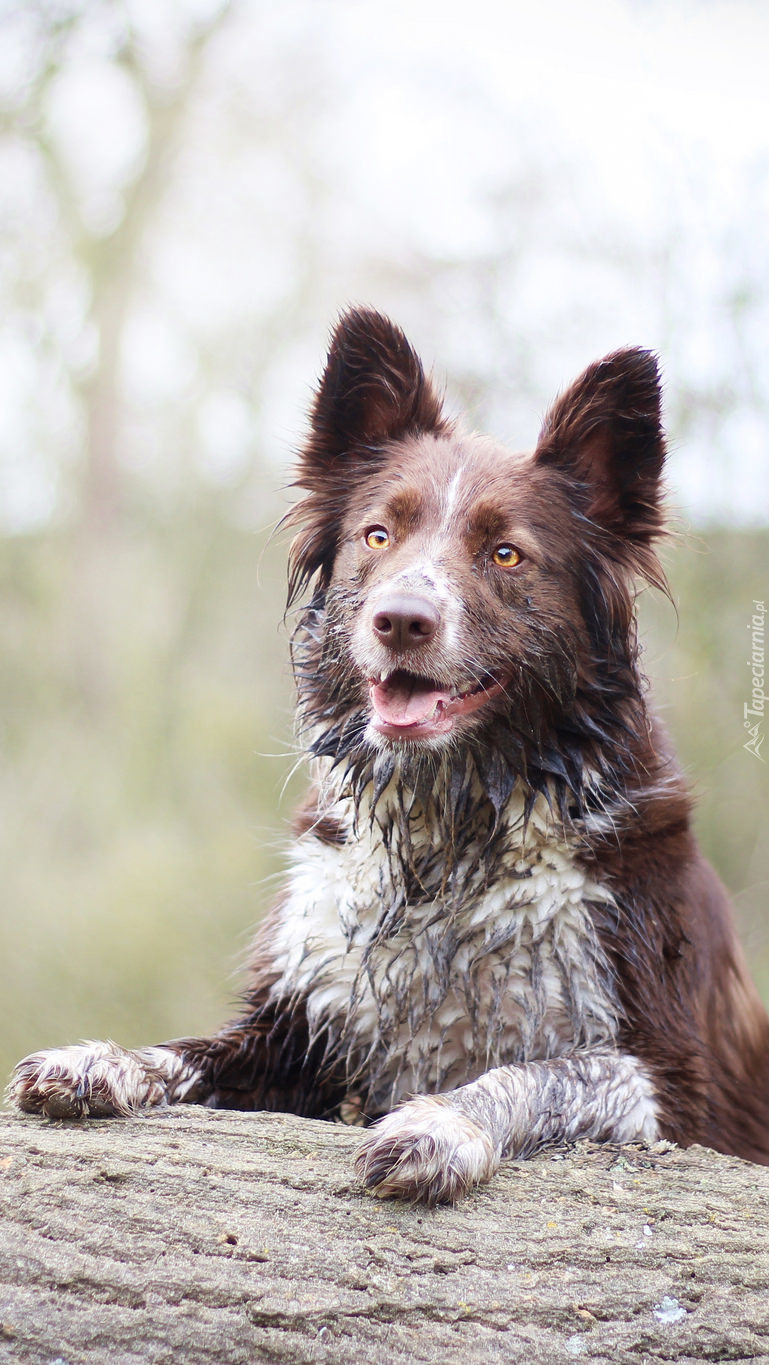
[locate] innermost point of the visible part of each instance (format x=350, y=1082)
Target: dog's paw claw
x=97, y=1080
x=426, y=1151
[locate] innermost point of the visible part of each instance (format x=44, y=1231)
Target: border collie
x=497, y=931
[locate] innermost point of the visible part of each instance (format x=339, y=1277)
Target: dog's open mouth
x=406, y=706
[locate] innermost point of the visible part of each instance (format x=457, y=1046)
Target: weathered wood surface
x=198, y=1237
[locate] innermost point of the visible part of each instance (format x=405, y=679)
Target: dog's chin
x=412, y=710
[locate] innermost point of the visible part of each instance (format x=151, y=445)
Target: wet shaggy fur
x=495, y=904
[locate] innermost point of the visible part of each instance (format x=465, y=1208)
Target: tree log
x=193, y=1236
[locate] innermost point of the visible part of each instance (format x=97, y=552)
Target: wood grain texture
x=198, y=1236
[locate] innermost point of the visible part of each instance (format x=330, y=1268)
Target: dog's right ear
x=373, y=391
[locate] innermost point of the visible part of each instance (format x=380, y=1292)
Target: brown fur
x=588, y=510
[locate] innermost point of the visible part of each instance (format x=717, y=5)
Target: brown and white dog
x=495, y=904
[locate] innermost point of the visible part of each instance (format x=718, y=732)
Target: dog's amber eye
x=506, y=556
x=377, y=538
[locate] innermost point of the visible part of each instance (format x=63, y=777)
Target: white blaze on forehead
x=451, y=495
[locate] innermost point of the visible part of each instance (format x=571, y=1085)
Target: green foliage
x=146, y=736
x=139, y=801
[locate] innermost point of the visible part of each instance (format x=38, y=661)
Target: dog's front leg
x=433, y=1149
x=268, y=1059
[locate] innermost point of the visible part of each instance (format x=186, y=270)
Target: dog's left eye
x=506, y=556
x=377, y=538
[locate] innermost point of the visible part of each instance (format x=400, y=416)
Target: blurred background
x=191, y=191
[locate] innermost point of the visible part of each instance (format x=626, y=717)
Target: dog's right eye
x=377, y=538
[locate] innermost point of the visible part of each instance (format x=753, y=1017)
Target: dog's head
x=459, y=589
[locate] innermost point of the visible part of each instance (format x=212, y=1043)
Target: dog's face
x=451, y=579
x=463, y=585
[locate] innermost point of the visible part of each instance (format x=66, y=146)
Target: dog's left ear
x=605, y=433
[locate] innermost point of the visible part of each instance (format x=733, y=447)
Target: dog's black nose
x=403, y=622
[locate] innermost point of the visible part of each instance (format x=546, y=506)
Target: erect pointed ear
x=373, y=391
x=605, y=433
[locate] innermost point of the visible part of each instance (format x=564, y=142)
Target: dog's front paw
x=92, y=1079
x=426, y=1151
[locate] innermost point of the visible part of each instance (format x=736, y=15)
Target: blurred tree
x=105, y=249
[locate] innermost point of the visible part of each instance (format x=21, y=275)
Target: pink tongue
x=402, y=701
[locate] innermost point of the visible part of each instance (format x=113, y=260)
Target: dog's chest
x=426, y=993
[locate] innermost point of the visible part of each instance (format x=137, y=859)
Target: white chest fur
x=428, y=993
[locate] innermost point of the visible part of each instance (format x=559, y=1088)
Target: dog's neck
x=433, y=826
